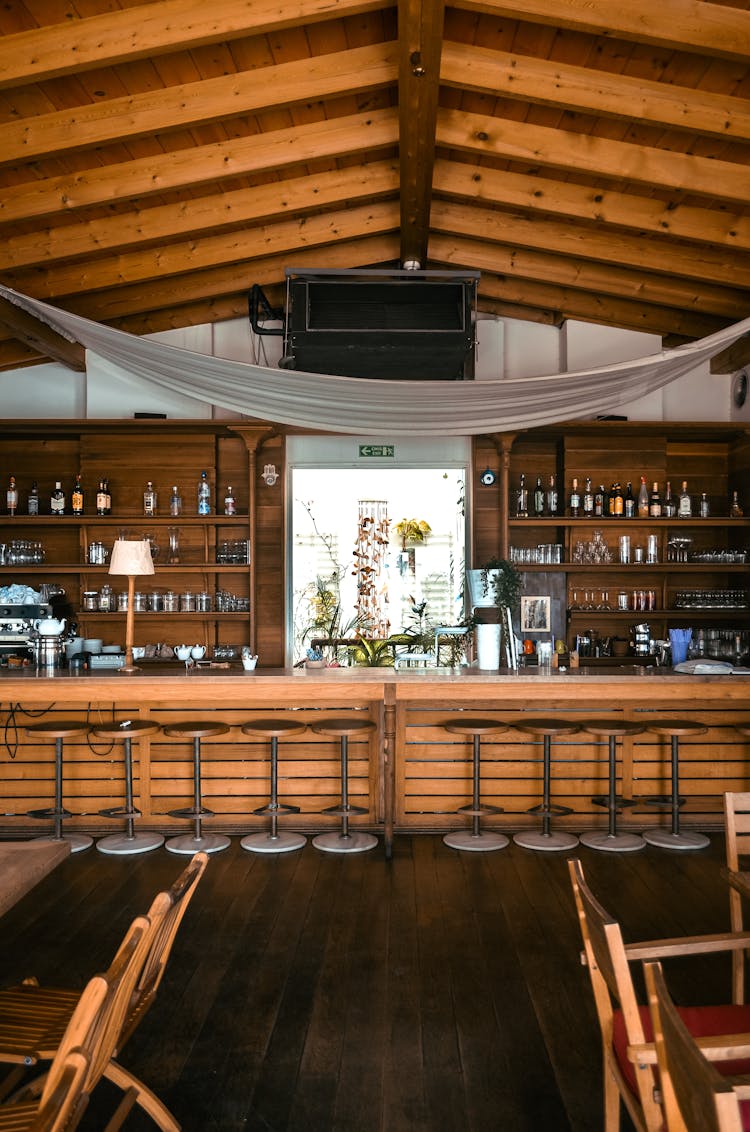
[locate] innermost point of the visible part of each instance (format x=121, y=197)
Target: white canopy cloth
x=365, y=406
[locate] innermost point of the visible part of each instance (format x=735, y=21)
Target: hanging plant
x=412, y=530
x=504, y=581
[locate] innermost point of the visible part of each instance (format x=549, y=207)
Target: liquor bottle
x=175, y=503
x=669, y=507
x=685, y=503
x=107, y=498
x=654, y=503
x=735, y=510
x=32, y=504
x=574, y=503
x=204, y=495
x=522, y=499
x=599, y=501
x=588, y=499
x=101, y=499
x=230, y=503
x=149, y=500
x=629, y=507
x=643, y=510
x=57, y=499
x=12, y=496
x=76, y=497
x=616, y=501
x=552, y=497
x=705, y=506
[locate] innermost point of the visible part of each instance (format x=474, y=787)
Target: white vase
x=487, y=639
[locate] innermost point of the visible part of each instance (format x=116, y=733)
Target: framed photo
x=535, y=615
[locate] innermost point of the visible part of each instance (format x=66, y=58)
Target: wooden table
x=24, y=863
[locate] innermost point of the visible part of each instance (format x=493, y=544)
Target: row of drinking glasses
x=226, y=602
x=21, y=552
x=545, y=554
x=711, y=599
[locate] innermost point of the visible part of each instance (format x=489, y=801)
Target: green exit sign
x=377, y=451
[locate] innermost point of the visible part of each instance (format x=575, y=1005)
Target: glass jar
x=203, y=602
x=171, y=602
x=91, y=601
x=106, y=598
x=156, y=602
x=187, y=603
x=139, y=603
x=122, y=601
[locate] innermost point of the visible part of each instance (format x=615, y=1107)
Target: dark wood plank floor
x=316, y=993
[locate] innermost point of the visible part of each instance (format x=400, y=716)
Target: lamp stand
x=128, y=667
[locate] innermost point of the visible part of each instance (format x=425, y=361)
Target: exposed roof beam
x=551, y=83
x=370, y=131
x=193, y=104
x=683, y=25
x=420, y=41
x=734, y=357
x=580, y=202
x=583, y=153
x=158, y=28
x=36, y=335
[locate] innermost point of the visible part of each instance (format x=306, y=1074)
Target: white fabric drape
x=364, y=406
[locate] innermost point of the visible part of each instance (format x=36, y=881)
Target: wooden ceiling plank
x=582, y=153
x=370, y=131
x=683, y=25
x=420, y=43
x=551, y=83
x=209, y=214
x=158, y=28
x=604, y=207
x=192, y=104
x=36, y=335
x=584, y=242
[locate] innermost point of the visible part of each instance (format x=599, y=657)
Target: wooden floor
x=437, y=992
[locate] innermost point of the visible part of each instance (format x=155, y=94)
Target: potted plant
x=412, y=530
x=496, y=584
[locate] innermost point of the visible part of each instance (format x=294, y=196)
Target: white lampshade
x=131, y=558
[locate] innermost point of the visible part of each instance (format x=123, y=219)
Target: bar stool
x=545, y=839
x=673, y=838
x=612, y=841
x=475, y=838
x=344, y=841
x=60, y=730
x=127, y=842
x=198, y=840
x=272, y=841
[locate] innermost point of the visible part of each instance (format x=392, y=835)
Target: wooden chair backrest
x=737, y=838
x=695, y=1096
x=613, y=989
x=165, y=916
x=61, y=1107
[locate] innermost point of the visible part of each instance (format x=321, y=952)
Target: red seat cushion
x=702, y=1022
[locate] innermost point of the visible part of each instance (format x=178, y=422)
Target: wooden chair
x=32, y=1017
x=737, y=838
x=84, y=1046
x=695, y=1096
x=627, y=1049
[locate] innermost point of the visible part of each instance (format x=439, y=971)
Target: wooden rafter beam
x=36, y=335
x=172, y=25
x=733, y=358
x=683, y=25
x=420, y=41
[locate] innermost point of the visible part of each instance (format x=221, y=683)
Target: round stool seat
x=274, y=840
x=273, y=728
x=342, y=727
x=674, y=838
x=679, y=727
x=129, y=729
x=128, y=842
x=474, y=726
x=611, y=840
x=59, y=729
x=196, y=842
x=344, y=841
x=615, y=728
x=550, y=727
x=196, y=729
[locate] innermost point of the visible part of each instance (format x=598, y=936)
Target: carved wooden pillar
x=253, y=436
x=503, y=442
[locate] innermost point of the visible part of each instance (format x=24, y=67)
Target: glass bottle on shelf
x=175, y=503
x=735, y=510
x=101, y=499
x=588, y=499
x=12, y=496
x=669, y=507
x=230, y=504
x=574, y=503
x=57, y=499
x=599, y=497
x=654, y=503
x=552, y=497
x=32, y=504
x=522, y=499
x=204, y=495
x=617, y=501
x=629, y=505
x=76, y=497
x=149, y=500
x=643, y=510
x=705, y=506
x=685, y=503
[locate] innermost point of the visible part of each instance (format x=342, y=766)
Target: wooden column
x=253, y=436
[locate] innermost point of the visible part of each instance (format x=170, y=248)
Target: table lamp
x=134, y=560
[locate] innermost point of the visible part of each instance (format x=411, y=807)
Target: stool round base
x=665, y=839
x=337, y=843
x=264, y=843
x=77, y=841
x=613, y=842
x=207, y=843
x=546, y=842
x=120, y=845
x=483, y=842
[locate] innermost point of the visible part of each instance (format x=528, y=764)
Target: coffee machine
x=18, y=637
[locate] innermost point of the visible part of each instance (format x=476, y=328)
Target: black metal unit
x=393, y=324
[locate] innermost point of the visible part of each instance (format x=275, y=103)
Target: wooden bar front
x=411, y=775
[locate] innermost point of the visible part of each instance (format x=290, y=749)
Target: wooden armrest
x=725, y=1047
x=688, y=945
x=644, y=1053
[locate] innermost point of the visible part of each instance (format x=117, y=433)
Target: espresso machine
x=642, y=639
x=20, y=639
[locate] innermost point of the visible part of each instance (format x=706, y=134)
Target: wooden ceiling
x=591, y=159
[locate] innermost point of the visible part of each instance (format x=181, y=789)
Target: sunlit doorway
x=375, y=552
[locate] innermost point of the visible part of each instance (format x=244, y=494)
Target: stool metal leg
x=272, y=841
x=673, y=838
x=198, y=841
x=476, y=839
x=77, y=841
x=129, y=842
x=545, y=839
x=345, y=842
x=612, y=841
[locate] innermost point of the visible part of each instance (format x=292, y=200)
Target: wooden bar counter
x=412, y=775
